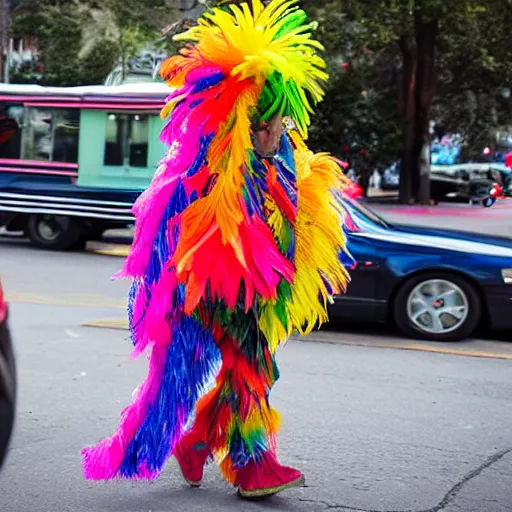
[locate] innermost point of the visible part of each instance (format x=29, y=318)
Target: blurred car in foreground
x=7, y=381
x=434, y=284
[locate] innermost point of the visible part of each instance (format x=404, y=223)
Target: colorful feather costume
x=233, y=251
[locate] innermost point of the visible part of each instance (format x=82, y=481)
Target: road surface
x=374, y=429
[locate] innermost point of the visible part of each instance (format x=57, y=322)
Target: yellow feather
x=319, y=238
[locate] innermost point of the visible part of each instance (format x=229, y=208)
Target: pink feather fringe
x=102, y=461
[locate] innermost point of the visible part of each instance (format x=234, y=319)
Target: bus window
x=11, y=124
x=65, y=140
x=51, y=135
x=126, y=143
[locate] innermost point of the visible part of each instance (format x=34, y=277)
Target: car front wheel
x=437, y=307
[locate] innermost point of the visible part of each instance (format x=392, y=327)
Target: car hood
x=459, y=241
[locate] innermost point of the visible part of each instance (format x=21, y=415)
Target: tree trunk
x=426, y=36
x=4, y=37
x=407, y=107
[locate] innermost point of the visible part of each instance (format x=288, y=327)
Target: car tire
x=95, y=233
x=53, y=232
x=79, y=245
x=457, y=303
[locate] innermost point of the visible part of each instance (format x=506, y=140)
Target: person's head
x=267, y=135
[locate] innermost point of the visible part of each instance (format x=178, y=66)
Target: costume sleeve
x=319, y=243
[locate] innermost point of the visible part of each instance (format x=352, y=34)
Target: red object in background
x=8, y=127
x=345, y=65
x=508, y=160
x=353, y=190
x=496, y=190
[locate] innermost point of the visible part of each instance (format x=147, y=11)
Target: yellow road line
x=78, y=302
x=108, y=323
x=456, y=352
x=120, y=251
x=418, y=347
x=122, y=323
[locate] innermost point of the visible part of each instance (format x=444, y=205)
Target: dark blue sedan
x=434, y=284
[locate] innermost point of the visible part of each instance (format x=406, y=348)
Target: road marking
x=108, y=323
x=117, y=250
x=77, y=302
x=418, y=346
x=456, y=352
x=121, y=323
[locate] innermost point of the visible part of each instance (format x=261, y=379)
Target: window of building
x=11, y=126
x=51, y=135
x=126, y=142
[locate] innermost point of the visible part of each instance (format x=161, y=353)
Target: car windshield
x=359, y=212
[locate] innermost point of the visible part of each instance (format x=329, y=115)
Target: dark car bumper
x=499, y=306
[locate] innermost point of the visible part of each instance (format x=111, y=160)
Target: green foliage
x=80, y=41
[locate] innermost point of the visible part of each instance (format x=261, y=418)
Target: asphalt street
x=374, y=429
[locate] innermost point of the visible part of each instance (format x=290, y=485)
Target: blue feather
x=161, y=251
x=195, y=103
x=207, y=82
x=192, y=362
x=204, y=146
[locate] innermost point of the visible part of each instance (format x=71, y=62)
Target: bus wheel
x=54, y=232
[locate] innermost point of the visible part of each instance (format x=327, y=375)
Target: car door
x=360, y=299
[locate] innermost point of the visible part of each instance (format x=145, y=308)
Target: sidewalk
x=496, y=220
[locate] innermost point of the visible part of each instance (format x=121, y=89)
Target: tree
x=80, y=41
x=396, y=63
x=475, y=74
x=416, y=27
x=357, y=121
x=128, y=25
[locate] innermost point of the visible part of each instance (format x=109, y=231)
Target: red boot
x=192, y=460
x=267, y=477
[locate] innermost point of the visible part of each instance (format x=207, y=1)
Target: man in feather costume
x=237, y=245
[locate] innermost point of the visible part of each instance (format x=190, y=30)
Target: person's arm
x=7, y=382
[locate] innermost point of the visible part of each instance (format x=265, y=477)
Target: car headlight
x=506, y=273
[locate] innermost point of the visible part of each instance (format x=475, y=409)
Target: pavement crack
x=447, y=499
x=452, y=493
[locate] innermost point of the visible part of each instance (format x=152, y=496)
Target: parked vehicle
x=502, y=174
x=73, y=160
x=434, y=284
x=473, y=183
x=391, y=178
x=459, y=183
